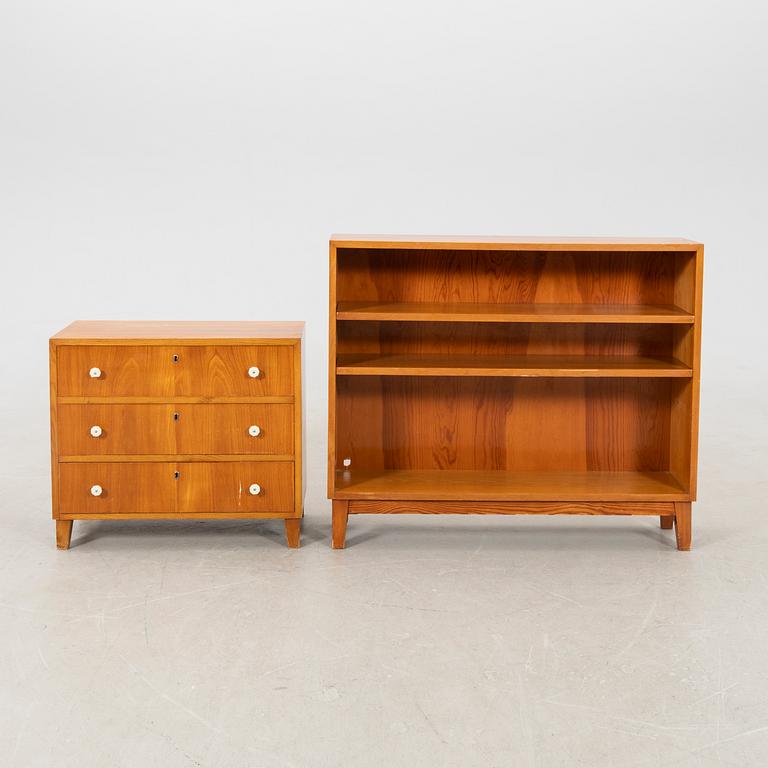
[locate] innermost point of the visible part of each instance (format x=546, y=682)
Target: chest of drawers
x=176, y=420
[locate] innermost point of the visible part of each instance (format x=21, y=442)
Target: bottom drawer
x=134, y=488
x=236, y=486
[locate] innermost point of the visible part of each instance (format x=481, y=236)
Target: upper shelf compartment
x=512, y=313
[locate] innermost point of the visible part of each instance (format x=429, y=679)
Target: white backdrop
x=172, y=160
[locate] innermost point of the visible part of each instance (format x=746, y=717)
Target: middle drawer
x=170, y=429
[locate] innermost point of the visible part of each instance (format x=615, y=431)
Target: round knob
x=95, y=373
x=95, y=431
x=254, y=372
x=254, y=430
x=255, y=489
x=95, y=490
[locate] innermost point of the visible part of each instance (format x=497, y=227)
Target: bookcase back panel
x=525, y=424
x=510, y=277
x=456, y=338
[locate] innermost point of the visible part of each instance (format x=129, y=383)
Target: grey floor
x=428, y=642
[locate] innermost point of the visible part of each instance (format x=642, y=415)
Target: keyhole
x=176, y=475
x=175, y=358
x=175, y=416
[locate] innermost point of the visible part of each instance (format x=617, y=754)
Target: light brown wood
x=166, y=429
x=224, y=487
x=175, y=419
x=513, y=371
x=478, y=485
x=518, y=243
x=172, y=331
x=293, y=532
x=380, y=507
x=134, y=487
x=683, y=525
x=340, y=515
x=63, y=533
x=523, y=365
x=175, y=370
x=511, y=313
x=667, y=521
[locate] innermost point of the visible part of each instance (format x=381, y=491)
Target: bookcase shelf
x=518, y=365
x=512, y=313
x=509, y=375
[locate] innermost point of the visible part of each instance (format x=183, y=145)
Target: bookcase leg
x=293, y=532
x=339, y=523
x=683, y=524
x=63, y=533
x=667, y=521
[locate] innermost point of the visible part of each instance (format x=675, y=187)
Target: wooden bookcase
x=514, y=375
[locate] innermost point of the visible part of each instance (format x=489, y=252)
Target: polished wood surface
x=167, y=429
x=518, y=365
x=683, y=525
x=513, y=372
x=223, y=487
x=478, y=485
x=511, y=313
x=174, y=370
x=667, y=521
x=63, y=533
x=340, y=515
x=293, y=533
x=174, y=403
x=509, y=242
x=380, y=507
x=537, y=424
x=173, y=331
x=134, y=487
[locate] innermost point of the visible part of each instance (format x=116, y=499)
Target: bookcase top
x=523, y=243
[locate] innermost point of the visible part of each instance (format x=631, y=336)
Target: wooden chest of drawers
x=154, y=420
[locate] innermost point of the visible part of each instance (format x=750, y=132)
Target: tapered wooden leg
x=339, y=523
x=293, y=532
x=667, y=521
x=683, y=524
x=63, y=533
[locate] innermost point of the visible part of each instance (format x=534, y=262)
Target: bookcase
x=514, y=375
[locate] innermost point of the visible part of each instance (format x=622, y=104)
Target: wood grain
x=173, y=331
x=293, y=532
x=340, y=515
x=511, y=313
x=476, y=485
x=63, y=533
x=514, y=242
x=223, y=487
x=683, y=525
x=519, y=365
x=150, y=371
x=389, y=507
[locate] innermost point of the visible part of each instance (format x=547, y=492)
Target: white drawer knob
x=254, y=430
x=95, y=490
x=95, y=373
x=95, y=431
x=255, y=489
x=254, y=372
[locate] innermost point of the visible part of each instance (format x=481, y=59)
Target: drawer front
x=226, y=487
x=122, y=488
x=183, y=371
x=169, y=429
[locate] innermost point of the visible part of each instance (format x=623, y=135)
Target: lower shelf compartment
x=476, y=485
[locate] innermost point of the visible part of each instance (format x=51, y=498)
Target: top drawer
x=174, y=371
